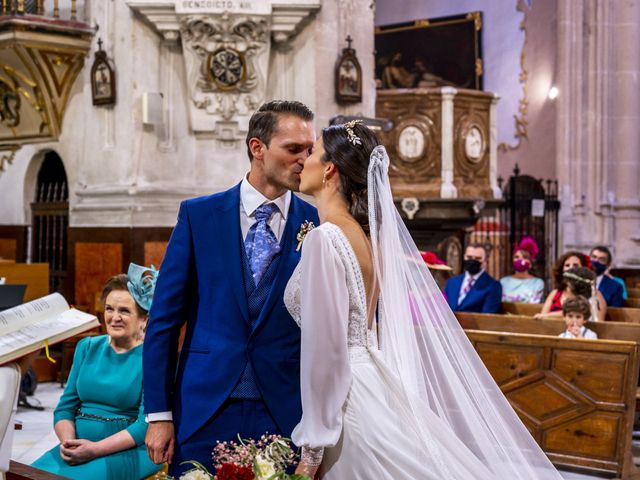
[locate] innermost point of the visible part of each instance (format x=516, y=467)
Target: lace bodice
x=357, y=319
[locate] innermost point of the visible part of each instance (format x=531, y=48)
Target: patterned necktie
x=467, y=289
x=261, y=244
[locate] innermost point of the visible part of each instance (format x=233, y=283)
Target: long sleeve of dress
x=325, y=373
x=70, y=401
x=138, y=429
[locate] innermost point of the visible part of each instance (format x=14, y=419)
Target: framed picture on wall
x=430, y=53
x=103, y=79
x=348, y=76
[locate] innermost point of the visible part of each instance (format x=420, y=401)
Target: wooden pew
x=34, y=275
x=633, y=292
x=577, y=397
x=632, y=302
x=631, y=315
x=528, y=309
x=613, y=314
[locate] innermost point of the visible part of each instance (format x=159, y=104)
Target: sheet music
x=45, y=307
x=48, y=328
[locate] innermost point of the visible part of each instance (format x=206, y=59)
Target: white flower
x=195, y=474
x=264, y=468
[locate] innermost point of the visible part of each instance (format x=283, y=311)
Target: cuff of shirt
x=159, y=417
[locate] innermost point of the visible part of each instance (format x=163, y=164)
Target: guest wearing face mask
x=474, y=290
x=522, y=287
x=611, y=290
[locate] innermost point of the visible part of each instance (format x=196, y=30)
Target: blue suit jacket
x=612, y=292
x=484, y=297
x=201, y=283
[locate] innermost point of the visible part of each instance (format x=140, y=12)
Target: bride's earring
x=324, y=179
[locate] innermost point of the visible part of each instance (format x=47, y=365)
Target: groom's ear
x=256, y=147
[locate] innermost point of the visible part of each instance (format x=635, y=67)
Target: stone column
x=625, y=118
x=598, y=146
x=447, y=189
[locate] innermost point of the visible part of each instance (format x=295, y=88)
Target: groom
x=224, y=273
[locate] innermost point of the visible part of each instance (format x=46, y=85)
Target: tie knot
x=264, y=212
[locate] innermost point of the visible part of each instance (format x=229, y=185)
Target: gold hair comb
x=353, y=138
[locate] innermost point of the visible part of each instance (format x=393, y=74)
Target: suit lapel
x=231, y=245
x=288, y=260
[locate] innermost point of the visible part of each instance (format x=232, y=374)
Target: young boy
x=576, y=311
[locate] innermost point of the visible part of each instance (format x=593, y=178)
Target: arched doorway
x=50, y=219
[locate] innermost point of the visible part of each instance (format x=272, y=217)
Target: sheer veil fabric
x=423, y=346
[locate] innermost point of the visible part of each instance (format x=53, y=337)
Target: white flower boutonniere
x=305, y=228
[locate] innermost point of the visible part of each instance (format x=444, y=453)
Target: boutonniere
x=305, y=228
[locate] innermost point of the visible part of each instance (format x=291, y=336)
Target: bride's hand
x=306, y=469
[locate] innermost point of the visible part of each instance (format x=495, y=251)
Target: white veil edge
x=425, y=347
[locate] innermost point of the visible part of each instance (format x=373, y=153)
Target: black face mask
x=472, y=266
x=598, y=267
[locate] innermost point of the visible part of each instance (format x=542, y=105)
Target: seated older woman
x=575, y=282
x=99, y=419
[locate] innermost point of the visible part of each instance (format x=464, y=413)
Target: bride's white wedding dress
x=420, y=406
x=352, y=403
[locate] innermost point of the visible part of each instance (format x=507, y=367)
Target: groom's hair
x=263, y=124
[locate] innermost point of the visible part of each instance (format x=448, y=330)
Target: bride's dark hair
x=352, y=162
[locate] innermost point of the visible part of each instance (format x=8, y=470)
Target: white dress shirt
x=250, y=200
x=465, y=282
x=599, y=281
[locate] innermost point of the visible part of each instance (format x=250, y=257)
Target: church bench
x=576, y=397
x=632, y=302
x=613, y=314
x=528, y=309
x=631, y=315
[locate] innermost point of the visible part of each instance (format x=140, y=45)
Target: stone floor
x=36, y=436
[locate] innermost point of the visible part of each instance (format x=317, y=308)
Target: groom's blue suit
x=203, y=282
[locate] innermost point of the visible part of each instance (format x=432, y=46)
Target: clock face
x=226, y=67
x=474, y=144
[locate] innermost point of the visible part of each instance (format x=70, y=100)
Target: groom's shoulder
x=216, y=200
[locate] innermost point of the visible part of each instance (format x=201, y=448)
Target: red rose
x=230, y=471
x=245, y=473
x=227, y=471
x=587, y=261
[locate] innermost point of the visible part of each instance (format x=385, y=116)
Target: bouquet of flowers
x=263, y=459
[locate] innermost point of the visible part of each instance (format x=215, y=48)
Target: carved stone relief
x=226, y=58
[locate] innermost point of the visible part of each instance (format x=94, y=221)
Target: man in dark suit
x=227, y=263
x=612, y=290
x=474, y=290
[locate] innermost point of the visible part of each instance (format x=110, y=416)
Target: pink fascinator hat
x=528, y=244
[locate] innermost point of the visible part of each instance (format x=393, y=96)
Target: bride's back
x=361, y=246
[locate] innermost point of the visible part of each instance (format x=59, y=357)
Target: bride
x=391, y=386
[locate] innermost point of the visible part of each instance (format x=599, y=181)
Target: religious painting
x=348, y=76
x=103, y=79
x=430, y=53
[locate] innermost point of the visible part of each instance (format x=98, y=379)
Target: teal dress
x=103, y=396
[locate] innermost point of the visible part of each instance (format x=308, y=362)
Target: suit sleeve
x=168, y=313
x=617, y=299
x=493, y=301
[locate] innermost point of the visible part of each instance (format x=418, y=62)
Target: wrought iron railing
x=38, y=7
x=530, y=208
